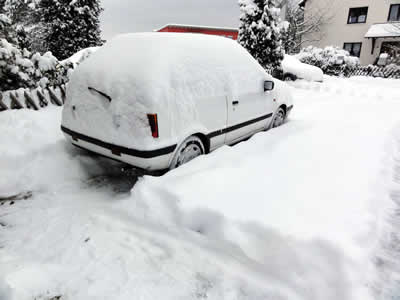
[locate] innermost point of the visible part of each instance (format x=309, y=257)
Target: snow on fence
x=391, y=71
x=32, y=99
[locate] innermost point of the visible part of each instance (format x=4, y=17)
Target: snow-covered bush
x=71, y=25
x=21, y=20
x=328, y=58
x=6, y=30
x=19, y=68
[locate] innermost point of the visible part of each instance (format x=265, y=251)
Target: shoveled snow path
x=294, y=213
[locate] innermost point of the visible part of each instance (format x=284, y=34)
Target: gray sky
x=145, y=15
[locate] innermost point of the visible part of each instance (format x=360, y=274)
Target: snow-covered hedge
x=328, y=58
x=19, y=68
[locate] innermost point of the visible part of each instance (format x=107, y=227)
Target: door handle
x=235, y=102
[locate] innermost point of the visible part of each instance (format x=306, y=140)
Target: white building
x=366, y=28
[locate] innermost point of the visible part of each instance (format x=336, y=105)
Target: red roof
x=221, y=31
x=198, y=27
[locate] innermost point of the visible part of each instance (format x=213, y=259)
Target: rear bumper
x=157, y=159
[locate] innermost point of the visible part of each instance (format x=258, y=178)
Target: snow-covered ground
x=305, y=211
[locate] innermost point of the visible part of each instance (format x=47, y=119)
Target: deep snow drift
x=298, y=212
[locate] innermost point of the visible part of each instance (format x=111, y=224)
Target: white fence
x=32, y=98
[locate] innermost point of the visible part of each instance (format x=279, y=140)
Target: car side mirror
x=268, y=85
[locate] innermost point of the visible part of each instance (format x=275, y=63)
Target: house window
x=357, y=15
x=353, y=48
x=394, y=12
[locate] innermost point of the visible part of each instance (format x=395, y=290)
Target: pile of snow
x=164, y=73
x=292, y=65
x=6, y=292
x=300, y=208
x=207, y=65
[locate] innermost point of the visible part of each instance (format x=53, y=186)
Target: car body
x=294, y=69
x=139, y=97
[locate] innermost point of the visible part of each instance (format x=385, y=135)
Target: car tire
x=289, y=77
x=279, y=118
x=191, y=148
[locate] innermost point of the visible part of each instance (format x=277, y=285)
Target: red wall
x=227, y=33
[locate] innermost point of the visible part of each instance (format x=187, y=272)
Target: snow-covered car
x=158, y=100
x=80, y=56
x=294, y=69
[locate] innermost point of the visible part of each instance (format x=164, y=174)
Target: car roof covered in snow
x=170, y=65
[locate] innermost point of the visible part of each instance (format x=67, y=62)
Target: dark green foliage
x=260, y=31
x=17, y=15
x=70, y=25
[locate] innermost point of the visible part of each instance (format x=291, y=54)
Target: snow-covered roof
x=197, y=27
x=384, y=30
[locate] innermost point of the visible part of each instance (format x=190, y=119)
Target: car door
x=212, y=115
x=248, y=113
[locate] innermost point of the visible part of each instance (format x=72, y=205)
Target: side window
x=357, y=15
x=394, y=13
x=353, y=48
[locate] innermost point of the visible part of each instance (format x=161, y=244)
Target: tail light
x=153, y=121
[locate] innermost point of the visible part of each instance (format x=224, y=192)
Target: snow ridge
x=386, y=284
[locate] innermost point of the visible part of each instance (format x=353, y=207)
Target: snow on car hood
x=163, y=73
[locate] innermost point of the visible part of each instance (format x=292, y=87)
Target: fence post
x=29, y=101
x=2, y=105
x=15, y=104
x=54, y=98
x=42, y=99
x=63, y=93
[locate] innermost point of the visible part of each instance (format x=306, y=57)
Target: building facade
x=365, y=28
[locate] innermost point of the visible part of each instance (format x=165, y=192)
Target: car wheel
x=279, y=118
x=289, y=77
x=191, y=148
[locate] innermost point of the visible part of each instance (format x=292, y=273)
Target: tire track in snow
x=353, y=87
x=387, y=259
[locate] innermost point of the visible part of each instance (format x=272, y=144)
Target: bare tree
x=304, y=27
